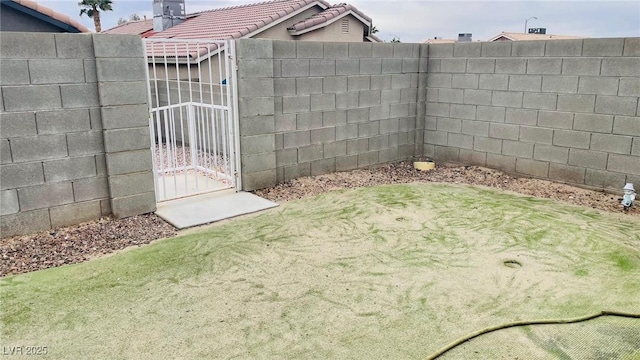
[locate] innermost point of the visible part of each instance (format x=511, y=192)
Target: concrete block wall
x=565, y=110
x=310, y=108
x=73, y=121
x=256, y=113
x=74, y=139
x=120, y=66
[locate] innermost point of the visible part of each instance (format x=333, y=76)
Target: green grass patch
x=624, y=260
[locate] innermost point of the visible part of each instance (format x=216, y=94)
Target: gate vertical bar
x=232, y=96
x=193, y=138
x=184, y=158
x=152, y=134
x=214, y=120
x=224, y=128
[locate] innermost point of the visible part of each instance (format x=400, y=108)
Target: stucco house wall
x=207, y=71
x=280, y=32
x=29, y=16
x=14, y=20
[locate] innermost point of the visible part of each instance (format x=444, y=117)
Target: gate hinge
x=234, y=62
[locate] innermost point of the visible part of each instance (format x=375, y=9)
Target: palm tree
x=92, y=9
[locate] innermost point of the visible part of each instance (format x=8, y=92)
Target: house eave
x=40, y=16
x=283, y=19
x=372, y=39
x=329, y=22
x=501, y=36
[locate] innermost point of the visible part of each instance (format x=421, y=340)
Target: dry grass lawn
x=390, y=272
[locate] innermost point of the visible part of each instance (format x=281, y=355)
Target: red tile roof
x=132, y=27
x=224, y=23
x=329, y=15
x=236, y=21
x=52, y=14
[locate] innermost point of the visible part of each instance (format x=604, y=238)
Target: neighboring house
x=439, y=40
x=143, y=28
x=462, y=37
x=29, y=16
x=513, y=36
x=301, y=20
x=304, y=20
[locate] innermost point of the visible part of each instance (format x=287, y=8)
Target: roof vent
x=345, y=26
x=465, y=37
x=167, y=13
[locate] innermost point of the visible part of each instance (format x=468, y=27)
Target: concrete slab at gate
x=204, y=209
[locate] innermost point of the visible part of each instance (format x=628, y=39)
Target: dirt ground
x=403, y=172
x=79, y=243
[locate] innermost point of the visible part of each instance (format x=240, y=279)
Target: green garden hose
x=525, y=323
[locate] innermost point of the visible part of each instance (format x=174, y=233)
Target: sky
x=419, y=20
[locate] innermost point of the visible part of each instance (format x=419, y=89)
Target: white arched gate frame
x=193, y=116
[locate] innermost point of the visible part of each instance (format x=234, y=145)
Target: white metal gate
x=193, y=116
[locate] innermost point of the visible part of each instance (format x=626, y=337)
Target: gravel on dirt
x=404, y=172
x=74, y=244
x=79, y=243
